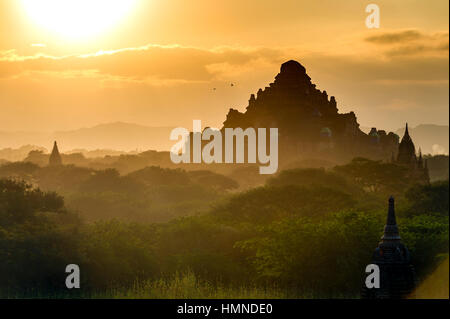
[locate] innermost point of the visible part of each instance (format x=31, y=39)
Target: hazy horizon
x=132, y=137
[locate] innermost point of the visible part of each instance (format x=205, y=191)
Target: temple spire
x=55, y=156
x=397, y=275
x=391, y=229
x=406, y=150
x=420, y=159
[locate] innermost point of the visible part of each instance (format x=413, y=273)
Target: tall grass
x=189, y=286
x=180, y=286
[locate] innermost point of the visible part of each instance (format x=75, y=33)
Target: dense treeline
x=152, y=194
x=307, y=232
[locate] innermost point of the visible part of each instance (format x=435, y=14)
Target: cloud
x=395, y=37
x=416, y=49
x=411, y=42
x=173, y=64
x=167, y=63
x=172, y=84
x=396, y=69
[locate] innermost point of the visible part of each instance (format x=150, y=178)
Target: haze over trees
x=181, y=232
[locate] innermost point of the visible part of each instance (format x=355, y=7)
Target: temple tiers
x=302, y=113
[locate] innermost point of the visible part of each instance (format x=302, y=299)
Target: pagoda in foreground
x=397, y=275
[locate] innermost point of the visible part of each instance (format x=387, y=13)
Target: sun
x=78, y=18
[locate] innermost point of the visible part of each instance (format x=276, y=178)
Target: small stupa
x=55, y=156
x=397, y=275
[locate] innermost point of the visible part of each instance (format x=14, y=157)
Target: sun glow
x=78, y=18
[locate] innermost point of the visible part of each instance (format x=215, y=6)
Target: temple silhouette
x=417, y=166
x=55, y=157
x=310, y=125
x=397, y=275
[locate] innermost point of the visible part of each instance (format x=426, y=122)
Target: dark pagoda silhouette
x=417, y=166
x=407, y=150
x=397, y=275
x=55, y=157
x=308, y=120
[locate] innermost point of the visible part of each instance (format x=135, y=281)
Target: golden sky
x=156, y=62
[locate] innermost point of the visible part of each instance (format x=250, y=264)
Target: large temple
x=308, y=121
x=310, y=126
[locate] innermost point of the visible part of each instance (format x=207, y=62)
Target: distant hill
x=432, y=139
x=112, y=136
x=117, y=136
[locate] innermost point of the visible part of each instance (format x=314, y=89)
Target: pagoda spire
x=406, y=150
x=391, y=229
x=55, y=156
x=420, y=159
